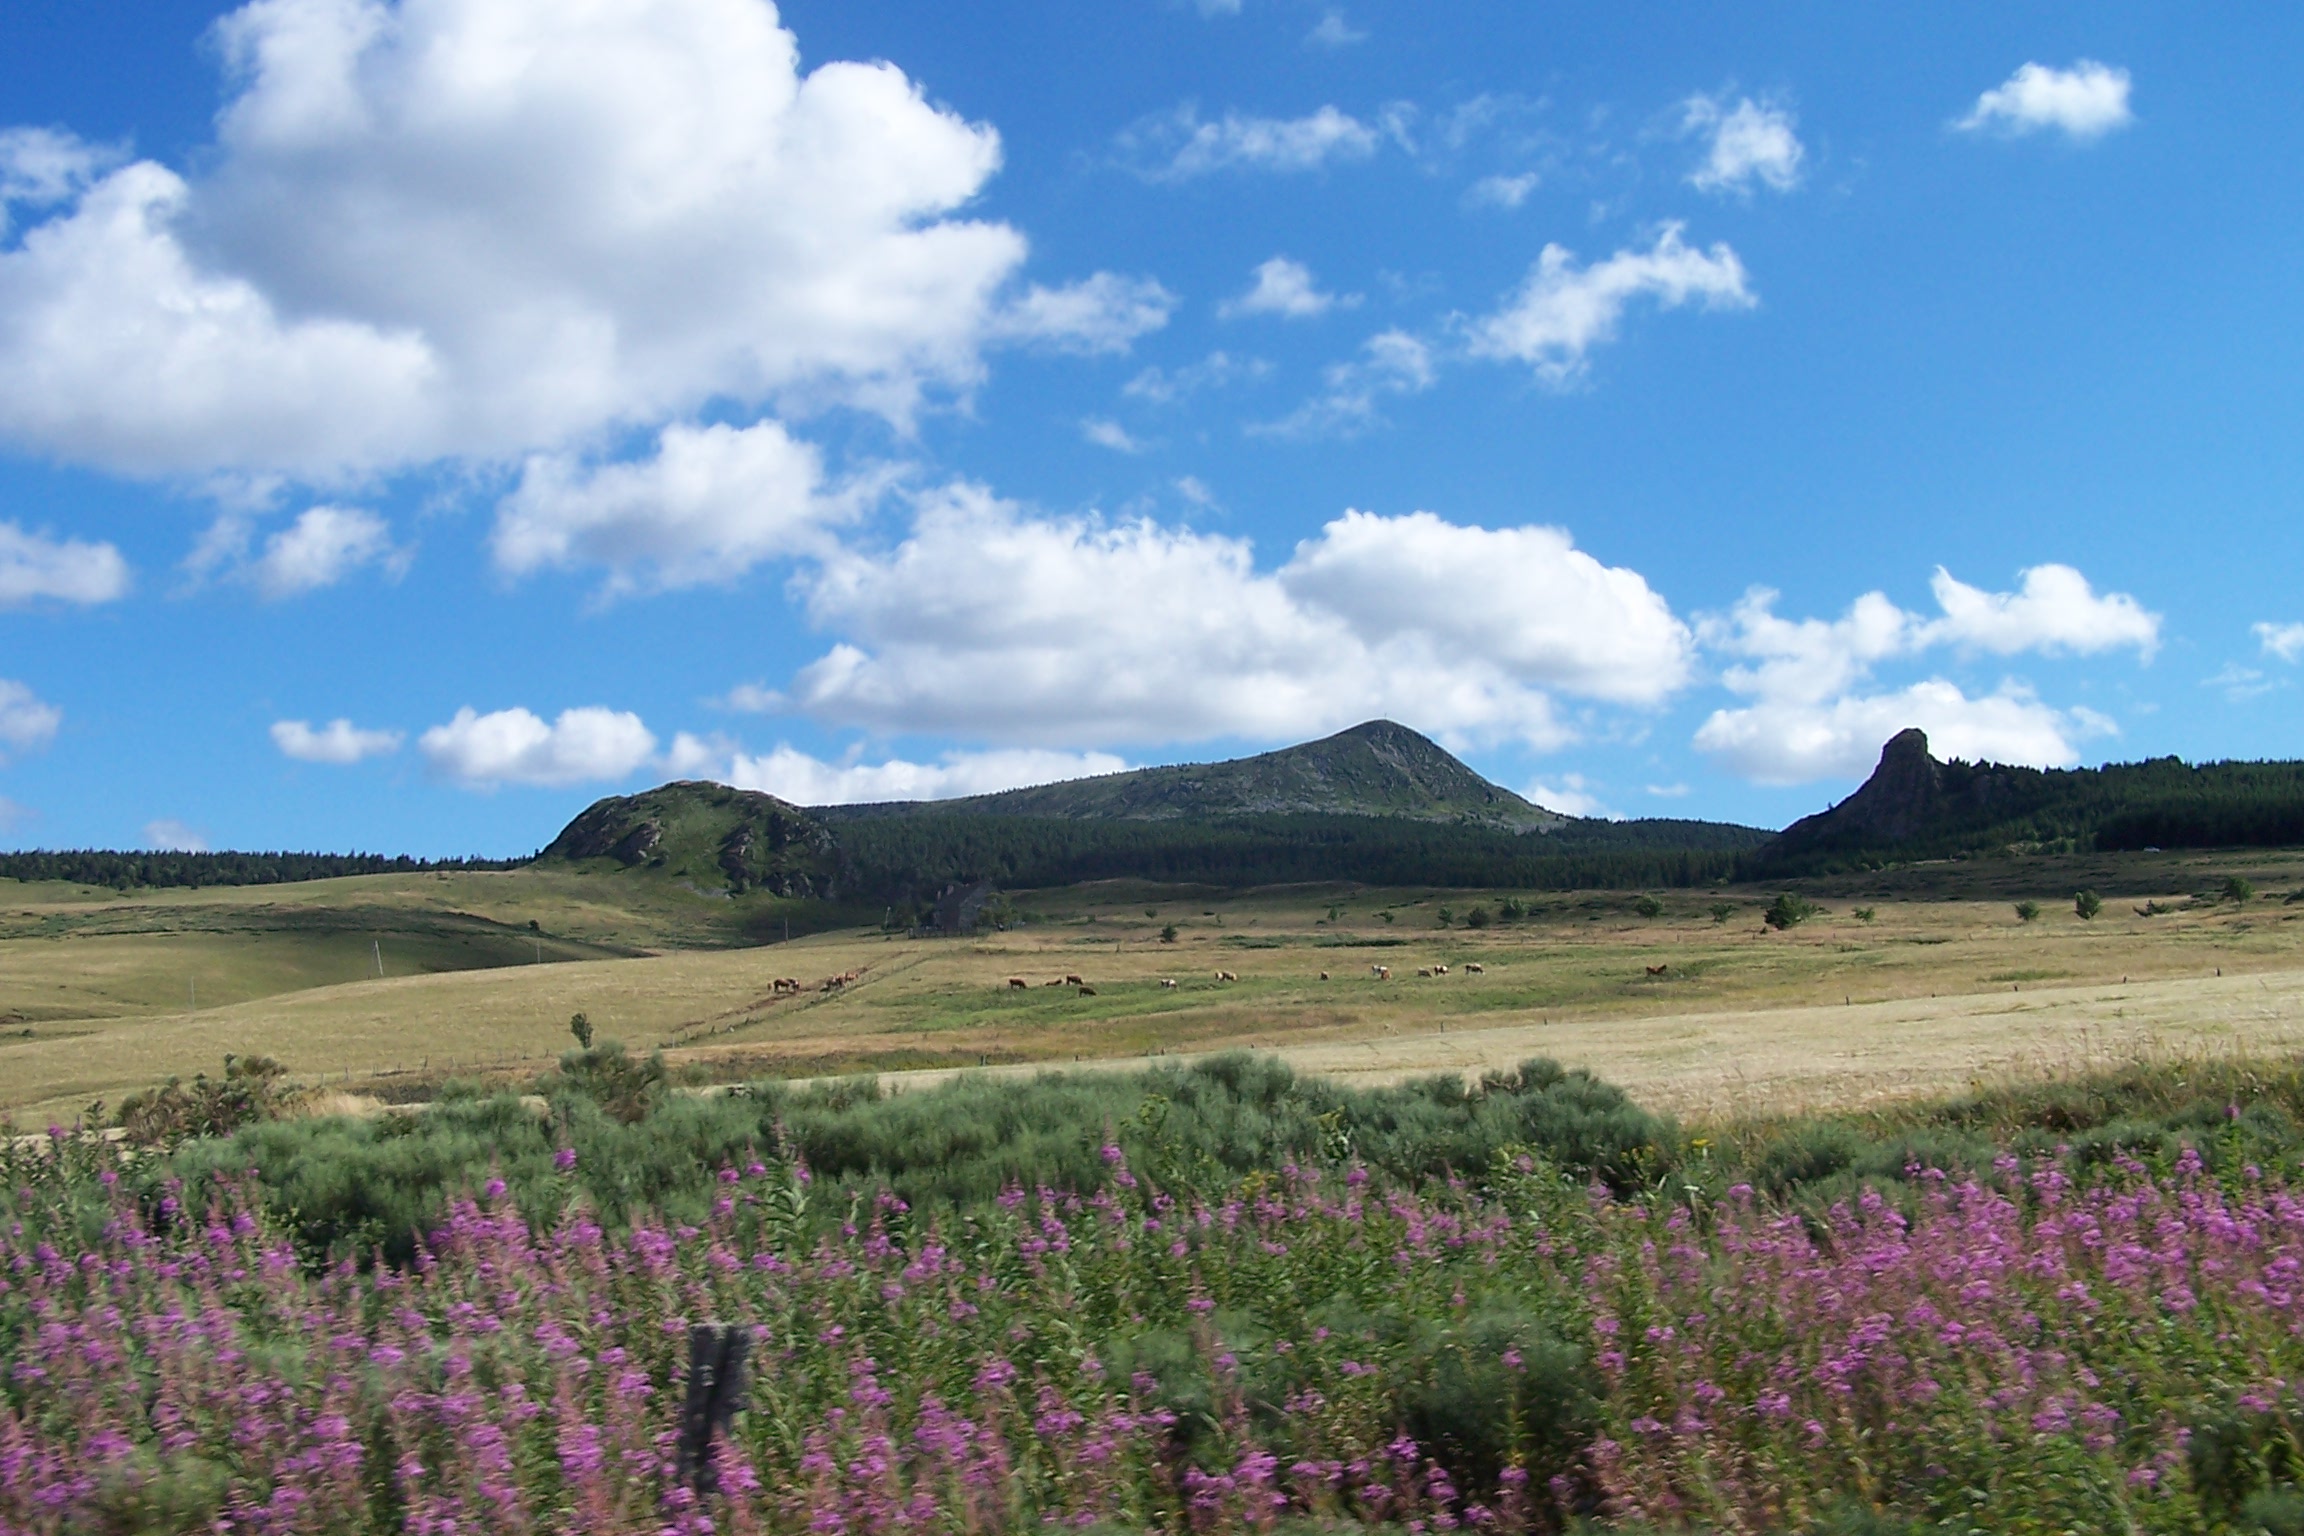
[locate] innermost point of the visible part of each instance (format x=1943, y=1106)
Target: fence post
x=716, y=1354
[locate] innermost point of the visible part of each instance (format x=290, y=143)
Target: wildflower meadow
x=2047, y=1342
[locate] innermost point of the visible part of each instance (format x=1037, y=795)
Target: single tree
x=1722, y=911
x=581, y=1028
x=1168, y=934
x=2087, y=904
x=1788, y=911
x=2028, y=911
x=1865, y=914
x=1476, y=918
x=1446, y=917
x=1648, y=906
x=2238, y=890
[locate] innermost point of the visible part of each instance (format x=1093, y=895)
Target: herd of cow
x=789, y=986
x=1168, y=983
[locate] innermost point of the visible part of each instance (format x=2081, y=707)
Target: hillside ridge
x=1377, y=768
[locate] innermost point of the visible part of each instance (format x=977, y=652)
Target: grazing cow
x=1383, y=972
x=1439, y=970
x=1226, y=976
x=1474, y=968
x=1423, y=970
x=784, y=984
x=1059, y=981
x=1167, y=984
x=1073, y=981
x=831, y=984
x=1019, y=983
x=1087, y=990
x=1323, y=975
x=1658, y=970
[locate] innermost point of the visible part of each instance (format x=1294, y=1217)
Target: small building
x=960, y=908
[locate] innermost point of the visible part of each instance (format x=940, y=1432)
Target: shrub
x=623, y=1088
x=2238, y=890
x=250, y=1091
x=2087, y=905
x=1722, y=911
x=1476, y=918
x=1168, y=934
x=1865, y=914
x=581, y=1028
x=2028, y=911
x=1648, y=906
x=1788, y=911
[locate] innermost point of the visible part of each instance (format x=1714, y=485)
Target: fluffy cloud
x=2285, y=641
x=1390, y=363
x=806, y=780
x=339, y=741
x=1100, y=314
x=34, y=567
x=1748, y=143
x=1790, y=741
x=26, y=722
x=1160, y=386
x=990, y=623
x=1286, y=288
x=1814, y=714
x=1573, y=795
x=40, y=167
x=2084, y=102
x=172, y=836
x=1503, y=191
x=1178, y=145
x=2054, y=611
x=711, y=503
x=513, y=746
x=1562, y=311
x=321, y=548
x=1107, y=433
x=480, y=228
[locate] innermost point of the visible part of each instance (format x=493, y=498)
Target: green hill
x=707, y=836
x=1915, y=807
x=1376, y=769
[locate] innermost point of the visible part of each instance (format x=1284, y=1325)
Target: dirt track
x=1784, y=1059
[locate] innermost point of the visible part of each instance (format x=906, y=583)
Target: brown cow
x=1074, y=981
x=1019, y=983
x=1658, y=970
x=1087, y=990
x=1323, y=975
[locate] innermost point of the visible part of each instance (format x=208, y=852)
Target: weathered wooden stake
x=716, y=1353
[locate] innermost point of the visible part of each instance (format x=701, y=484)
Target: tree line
x=136, y=870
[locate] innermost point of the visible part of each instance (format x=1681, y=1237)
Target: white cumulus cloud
x=36, y=567
x=1563, y=310
x=169, y=835
x=322, y=547
x=1815, y=711
x=1104, y=432
x=1502, y=191
x=1749, y=142
x=339, y=741
x=2285, y=641
x=2084, y=102
x=1391, y=363
x=27, y=723
x=437, y=229
x=1791, y=741
x=1571, y=795
x=1180, y=144
x=794, y=775
x=2054, y=611
x=1100, y=314
x=1286, y=288
x=514, y=746
x=992, y=623
x=709, y=505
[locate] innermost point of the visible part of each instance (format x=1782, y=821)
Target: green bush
x=2028, y=911
x=1648, y=906
x=2087, y=905
x=1788, y=911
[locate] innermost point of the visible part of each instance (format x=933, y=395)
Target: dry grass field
x=1943, y=983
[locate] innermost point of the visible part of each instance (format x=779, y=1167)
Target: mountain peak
x=1376, y=768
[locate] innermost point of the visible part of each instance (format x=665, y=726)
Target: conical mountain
x=1376, y=769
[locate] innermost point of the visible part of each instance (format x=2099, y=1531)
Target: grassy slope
x=1581, y=962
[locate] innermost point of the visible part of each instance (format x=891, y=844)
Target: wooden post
x=716, y=1354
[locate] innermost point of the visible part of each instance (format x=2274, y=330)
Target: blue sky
x=419, y=418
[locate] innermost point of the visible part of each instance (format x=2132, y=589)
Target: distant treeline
x=907, y=857
x=2162, y=803
x=126, y=871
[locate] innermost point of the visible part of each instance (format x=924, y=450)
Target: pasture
x=1692, y=1009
